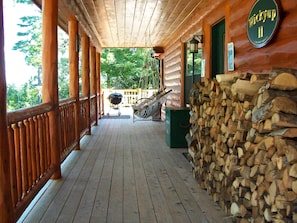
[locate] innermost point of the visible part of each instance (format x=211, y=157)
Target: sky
x=17, y=72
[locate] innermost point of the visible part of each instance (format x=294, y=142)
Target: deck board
x=100, y=208
x=157, y=170
x=145, y=205
x=131, y=213
x=115, y=207
x=125, y=172
x=88, y=198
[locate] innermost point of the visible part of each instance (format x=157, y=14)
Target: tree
x=63, y=65
x=128, y=68
x=30, y=44
x=13, y=96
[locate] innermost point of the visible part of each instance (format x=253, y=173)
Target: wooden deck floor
x=125, y=172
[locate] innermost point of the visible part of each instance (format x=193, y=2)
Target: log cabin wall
x=173, y=68
x=278, y=53
x=231, y=191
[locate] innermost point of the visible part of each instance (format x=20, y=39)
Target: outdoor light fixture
x=196, y=43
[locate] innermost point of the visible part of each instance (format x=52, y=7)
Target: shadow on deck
x=125, y=172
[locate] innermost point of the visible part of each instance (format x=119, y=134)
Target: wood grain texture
x=172, y=79
x=116, y=177
x=133, y=23
x=6, y=206
x=277, y=53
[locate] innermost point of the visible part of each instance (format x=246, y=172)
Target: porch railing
x=84, y=119
x=67, y=122
x=93, y=110
x=30, y=156
x=29, y=145
x=31, y=164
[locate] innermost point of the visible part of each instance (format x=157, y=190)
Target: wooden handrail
x=25, y=113
x=83, y=98
x=67, y=101
x=29, y=144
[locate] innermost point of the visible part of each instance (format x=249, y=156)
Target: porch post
x=98, y=79
x=73, y=72
x=6, y=207
x=93, y=82
x=86, y=74
x=50, y=77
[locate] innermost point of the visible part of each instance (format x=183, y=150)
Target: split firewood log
x=293, y=171
x=246, y=87
x=287, y=132
x=284, y=81
x=268, y=94
x=246, y=149
x=228, y=77
x=284, y=120
x=260, y=77
x=278, y=104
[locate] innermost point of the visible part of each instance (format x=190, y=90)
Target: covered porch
x=124, y=172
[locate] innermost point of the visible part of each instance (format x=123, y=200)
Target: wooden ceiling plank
x=161, y=28
x=144, y=35
x=172, y=15
x=130, y=14
x=101, y=22
x=153, y=21
x=131, y=23
x=198, y=10
x=110, y=13
x=138, y=15
x=179, y=16
x=120, y=11
x=185, y=14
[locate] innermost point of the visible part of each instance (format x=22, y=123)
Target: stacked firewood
x=243, y=144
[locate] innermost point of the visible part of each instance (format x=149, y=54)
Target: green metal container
x=177, y=126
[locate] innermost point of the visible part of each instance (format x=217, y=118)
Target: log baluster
x=37, y=156
x=29, y=153
x=41, y=144
x=33, y=150
x=23, y=158
x=47, y=139
x=18, y=160
x=13, y=178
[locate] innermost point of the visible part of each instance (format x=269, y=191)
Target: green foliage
x=120, y=68
x=30, y=44
x=197, y=63
x=24, y=1
x=13, y=98
x=63, y=78
x=124, y=68
x=22, y=97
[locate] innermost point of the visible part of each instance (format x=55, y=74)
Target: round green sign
x=263, y=22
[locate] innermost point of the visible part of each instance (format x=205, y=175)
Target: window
x=191, y=75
